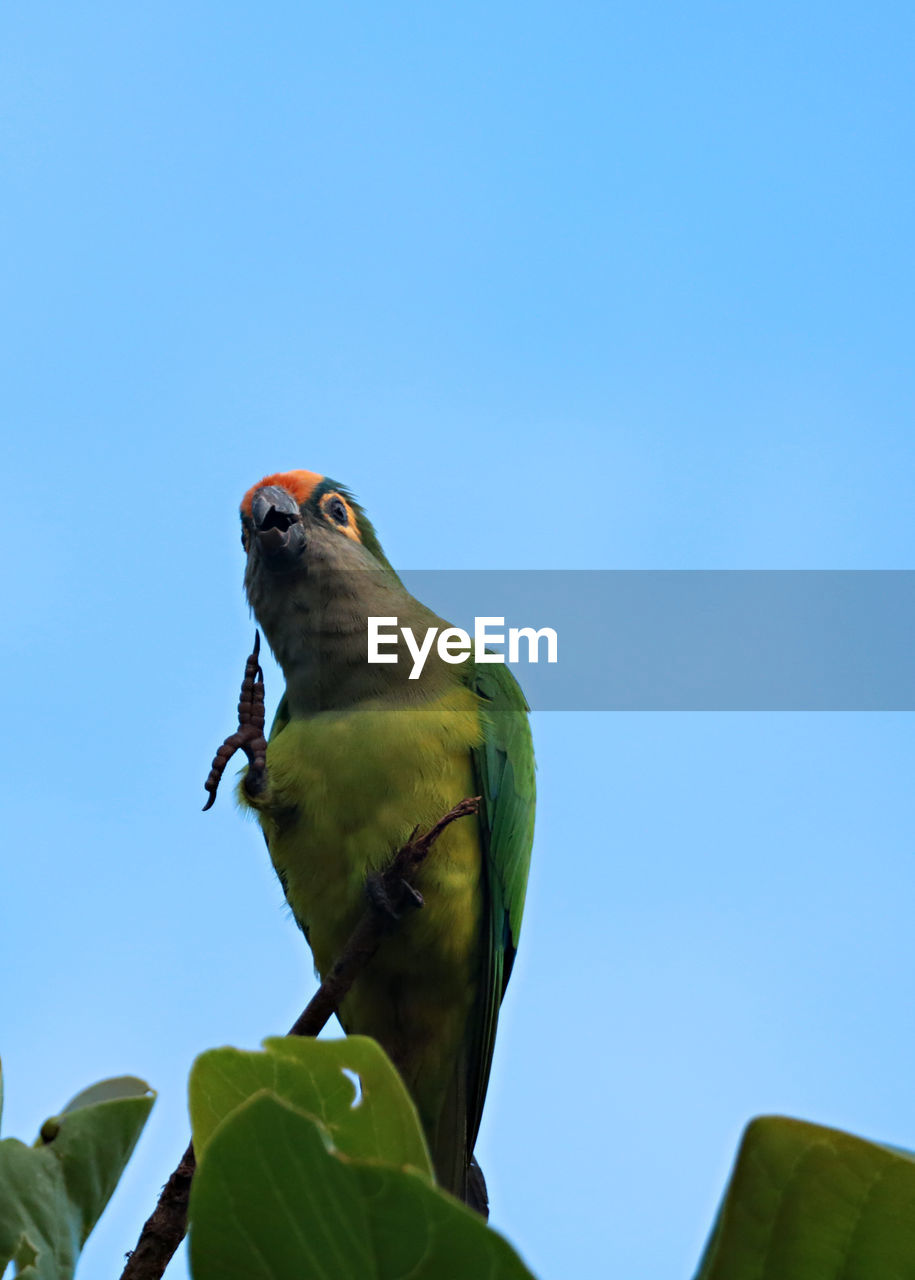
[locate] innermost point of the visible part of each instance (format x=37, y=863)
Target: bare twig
x=164, y=1229
x=390, y=893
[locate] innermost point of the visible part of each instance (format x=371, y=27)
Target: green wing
x=504, y=777
x=504, y=769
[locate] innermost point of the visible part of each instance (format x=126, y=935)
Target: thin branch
x=164, y=1229
x=390, y=894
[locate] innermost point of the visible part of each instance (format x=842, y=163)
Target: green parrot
x=359, y=756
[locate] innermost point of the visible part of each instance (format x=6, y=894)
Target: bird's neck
x=319, y=632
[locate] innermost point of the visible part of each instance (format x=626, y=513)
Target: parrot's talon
x=256, y=777
x=249, y=736
x=391, y=898
x=413, y=895
x=377, y=893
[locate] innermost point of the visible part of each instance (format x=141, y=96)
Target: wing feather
x=504, y=769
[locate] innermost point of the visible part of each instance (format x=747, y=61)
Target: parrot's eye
x=332, y=505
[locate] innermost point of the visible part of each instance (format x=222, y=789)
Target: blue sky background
x=549, y=286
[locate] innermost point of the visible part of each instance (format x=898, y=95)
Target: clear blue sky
x=579, y=285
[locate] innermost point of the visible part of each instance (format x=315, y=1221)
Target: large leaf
x=308, y=1073
x=271, y=1201
x=52, y=1194
x=808, y=1203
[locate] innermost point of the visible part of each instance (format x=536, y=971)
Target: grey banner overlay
x=817, y=640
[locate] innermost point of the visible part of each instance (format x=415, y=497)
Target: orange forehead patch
x=300, y=484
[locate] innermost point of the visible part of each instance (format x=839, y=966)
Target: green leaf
x=52, y=1194
x=808, y=1203
x=270, y=1200
x=108, y=1091
x=309, y=1074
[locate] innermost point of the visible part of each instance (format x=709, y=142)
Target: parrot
x=358, y=758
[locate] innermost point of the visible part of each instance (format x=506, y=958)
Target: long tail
x=477, y=1197
x=455, y=1166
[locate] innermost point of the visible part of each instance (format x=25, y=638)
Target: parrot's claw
x=390, y=900
x=413, y=895
x=249, y=736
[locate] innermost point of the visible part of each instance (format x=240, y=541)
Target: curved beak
x=278, y=529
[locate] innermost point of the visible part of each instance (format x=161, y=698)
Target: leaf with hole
x=272, y=1200
x=312, y=1075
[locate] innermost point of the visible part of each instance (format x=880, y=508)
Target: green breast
x=346, y=789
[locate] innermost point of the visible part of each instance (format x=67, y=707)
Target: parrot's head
x=315, y=572
x=296, y=520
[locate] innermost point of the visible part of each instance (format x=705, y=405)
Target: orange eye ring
x=333, y=506
x=337, y=511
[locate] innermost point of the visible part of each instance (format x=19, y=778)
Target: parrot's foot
x=249, y=736
x=390, y=892
x=391, y=898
